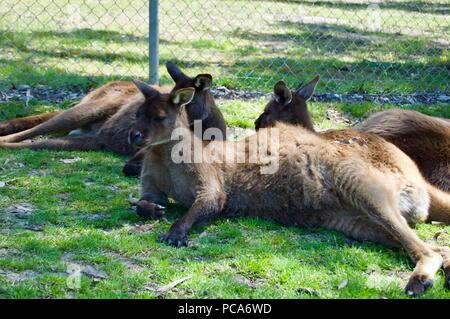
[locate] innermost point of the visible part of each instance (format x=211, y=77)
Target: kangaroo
x=202, y=107
x=103, y=119
x=425, y=139
x=368, y=193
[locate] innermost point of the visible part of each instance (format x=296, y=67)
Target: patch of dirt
x=130, y=264
x=45, y=94
x=240, y=279
x=83, y=268
x=17, y=216
x=22, y=210
x=8, y=252
x=15, y=277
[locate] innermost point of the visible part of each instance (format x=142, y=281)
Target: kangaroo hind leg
x=68, y=143
x=73, y=118
x=378, y=200
x=23, y=123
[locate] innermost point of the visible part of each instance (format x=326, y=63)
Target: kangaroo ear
x=203, y=81
x=145, y=89
x=175, y=73
x=183, y=96
x=282, y=93
x=307, y=90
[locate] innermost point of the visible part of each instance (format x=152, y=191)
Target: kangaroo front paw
x=132, y=168
x=174, y=238
x=418, y=285
x=148, y=210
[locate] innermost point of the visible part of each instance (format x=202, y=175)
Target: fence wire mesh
x=371, y=46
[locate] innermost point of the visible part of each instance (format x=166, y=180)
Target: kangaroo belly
x=299, y=193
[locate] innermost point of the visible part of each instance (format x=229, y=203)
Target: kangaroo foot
x=418, y=285
x=175, y=237
x=149, y=210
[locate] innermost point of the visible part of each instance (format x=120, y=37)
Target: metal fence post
x=153, y=42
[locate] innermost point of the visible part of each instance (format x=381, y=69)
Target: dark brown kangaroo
x=424, y=138
x=368, y=189
x=103, y=119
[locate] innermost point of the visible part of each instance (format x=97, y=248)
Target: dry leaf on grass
x=343, y=284
x=70, y=160
x=164, y=289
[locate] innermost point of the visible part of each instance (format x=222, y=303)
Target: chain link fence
x=376, y=46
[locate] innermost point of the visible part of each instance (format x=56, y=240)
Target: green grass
x=83, y=216
x=244, y=44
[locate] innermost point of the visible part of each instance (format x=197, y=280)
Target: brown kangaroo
x=103, y=119
x=368, y=193
x=424, y=138
x=202, y=107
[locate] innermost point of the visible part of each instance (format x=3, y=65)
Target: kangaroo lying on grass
x=369, y=189
x=425, y=139
x=103, y=119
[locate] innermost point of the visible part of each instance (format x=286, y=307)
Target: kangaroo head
x=288, y=106
x=199, y=107
x=156, y=117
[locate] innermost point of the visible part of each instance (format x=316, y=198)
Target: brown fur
x=24, y=123
x=104, y=117
x=367, y=189
x=424, y=138
x=102, y=120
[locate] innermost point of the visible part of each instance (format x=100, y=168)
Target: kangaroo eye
x=159, y=119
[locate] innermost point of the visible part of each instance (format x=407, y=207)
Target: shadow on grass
x=336, y=38
x=379, y=62
x=364, y=76
x=408, y=6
